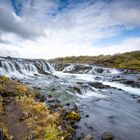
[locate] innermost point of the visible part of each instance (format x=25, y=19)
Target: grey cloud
x=126, y=12
x=86, y=22
x=20, y=27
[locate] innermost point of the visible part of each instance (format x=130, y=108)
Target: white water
x=108, y=109
x=130, y=90
x=94, y=70
x=91, y=78
x=21, y=68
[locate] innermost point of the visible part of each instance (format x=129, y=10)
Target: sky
x=57, y=28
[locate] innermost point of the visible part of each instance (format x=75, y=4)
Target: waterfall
x=15, y=67
x=90, y=69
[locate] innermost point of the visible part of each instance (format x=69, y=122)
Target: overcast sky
x=55, y=28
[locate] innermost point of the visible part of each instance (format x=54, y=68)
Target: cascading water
x=22, y=67
x=89, y=69
x=98, y=92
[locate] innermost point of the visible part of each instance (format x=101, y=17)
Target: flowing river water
x=114, y=108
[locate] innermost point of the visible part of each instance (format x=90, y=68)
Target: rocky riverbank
x=25, y=116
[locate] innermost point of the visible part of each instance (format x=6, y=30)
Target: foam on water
x=109, y=109
x=21, y=68
x=130, y=90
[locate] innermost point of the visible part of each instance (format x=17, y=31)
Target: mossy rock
x=73, y=116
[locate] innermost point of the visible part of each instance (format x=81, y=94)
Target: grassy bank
x=24, y=117
x=129, y=60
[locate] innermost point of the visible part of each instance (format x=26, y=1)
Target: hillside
x=128, y=60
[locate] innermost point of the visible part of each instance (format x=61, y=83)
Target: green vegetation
x=73, y=116
x=36, y=119
x=129, y=60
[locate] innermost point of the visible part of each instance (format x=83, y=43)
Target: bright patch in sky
x=55, y=28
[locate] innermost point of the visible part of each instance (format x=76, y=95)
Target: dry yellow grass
x=42, y=123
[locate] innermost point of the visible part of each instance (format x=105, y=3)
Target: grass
x=128, y=60
x=43, y=122
x=2, y=124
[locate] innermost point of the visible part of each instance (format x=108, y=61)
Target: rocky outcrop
x=127, y=81
x=98, y=85
x=77, y=68
x=59, y=66
x=99, y=70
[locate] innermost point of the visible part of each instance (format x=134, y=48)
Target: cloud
x=6, y=51
x=52, y=28
x=25, y=19
x=10, y=23
x=35, y=50
x=126, y=12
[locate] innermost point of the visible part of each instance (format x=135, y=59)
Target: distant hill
x=128, y=60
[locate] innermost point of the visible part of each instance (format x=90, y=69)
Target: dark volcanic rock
x=79, y=69
x=132, y=83
x=138, y=100
x=77, y=89
x=128, y=82
x=99, y=70
x=60, y=66
x=87, y=116
x=107, y=136
x=40, y=97
x=98, y=85
x=41, y=69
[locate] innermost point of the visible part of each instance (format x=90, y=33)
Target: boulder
x=138, y=100
x=88, y=137
x=99, y=70
x=87, y=116
x=107, y=136
x=73, y=116
x=98, y=85
x=129, y=82
x=77, y=89
x=40, y=97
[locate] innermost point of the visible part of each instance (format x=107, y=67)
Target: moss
x=43, y=123
x=10, y=87
x=73, y=116
x=3, y=79
x=52, y=133
x=21, y=89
